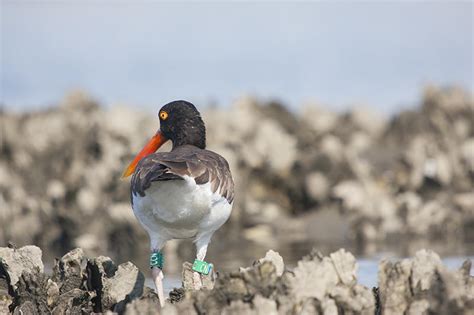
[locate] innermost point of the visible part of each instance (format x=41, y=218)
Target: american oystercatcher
x=185, y=193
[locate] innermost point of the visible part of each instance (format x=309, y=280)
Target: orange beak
x=154, y=144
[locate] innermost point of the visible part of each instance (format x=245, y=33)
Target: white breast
x=180, y=209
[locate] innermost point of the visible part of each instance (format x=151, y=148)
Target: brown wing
x=202, y=165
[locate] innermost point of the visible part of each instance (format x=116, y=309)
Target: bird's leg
x=156, y=265
x=201, y=247
x=157, y=276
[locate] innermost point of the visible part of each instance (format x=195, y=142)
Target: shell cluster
x=308, y=175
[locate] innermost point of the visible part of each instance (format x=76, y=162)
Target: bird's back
x=182, y=192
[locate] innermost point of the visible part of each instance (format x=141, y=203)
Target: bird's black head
x=181, y=122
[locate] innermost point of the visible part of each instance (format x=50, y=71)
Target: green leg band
x=202, y=267
x=157, y=260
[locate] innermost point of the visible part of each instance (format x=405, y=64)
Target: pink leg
x=201, y=249
x=157, y=275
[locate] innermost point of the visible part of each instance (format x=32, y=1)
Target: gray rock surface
x=189, y=281
x=17, y=261
x=332, y=282
x=68, y=270
x=115, y=285
x=317, y=285
x=422, y=285
x=276, y=260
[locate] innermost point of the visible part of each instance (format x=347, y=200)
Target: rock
x=371, y=207
x=279, y=154
x=148, y=303
x=424, y=266
x=207, y=281
x=5, y=298
x=465, y=202
x=56, y=190
x=68, y=270
x=75, y=301
x=52, y=293
x=427, y=216
x=264, y=306
x=115, y=286
x=318, y=285
x=139, y=307
x=367, y=120
x=312, y=279
x=317, y=186
x=15, y=262
x=438, y=169
x=423, y=284
x=319, y=119
x=185, y=307
x=332, y=147
x=276, y=260
x=32, y=293
x=331, y=281
x=345, y=265
x=176, y=295
x=285, y=165
x=237, y=307
x=467, y=154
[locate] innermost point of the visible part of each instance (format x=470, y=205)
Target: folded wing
x=202, y=165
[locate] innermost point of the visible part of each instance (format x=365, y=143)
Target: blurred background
x=347, y=124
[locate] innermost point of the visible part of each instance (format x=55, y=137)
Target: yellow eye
x=163, y=115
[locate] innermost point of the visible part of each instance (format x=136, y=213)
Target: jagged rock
x=207, y=281
x=176, y=295
x=115, y=286
x=318, y=285
x=32, y=293
x=425, y=263
x=67, y=271
x=270, y=256
x=276, y=260
x=5, y=298
x=312, y=279
x=15, y=262
x=345, y=265
x=423, y=284
x=237, y=307
x=184, y=307
x=75, y=301
x=148, y=303
x=264, y=306
x=52, y=293
x=330, y=280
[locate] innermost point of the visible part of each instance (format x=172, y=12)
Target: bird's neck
x=193, y=138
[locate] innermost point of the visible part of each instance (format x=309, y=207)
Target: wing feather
x=202, y=165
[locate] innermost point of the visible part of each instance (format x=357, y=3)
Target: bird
x=186, y=193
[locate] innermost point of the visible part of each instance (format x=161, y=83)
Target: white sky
x=148, y=53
